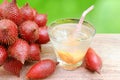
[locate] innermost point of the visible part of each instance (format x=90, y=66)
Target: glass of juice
x=70, y=45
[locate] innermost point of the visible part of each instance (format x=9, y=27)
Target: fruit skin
x=5, y=2
x=14, y=66
x=0, y=13
x=34, y=54
x=8, y=32
x=27, y=12
x=3, y=55
x=92, y=61
x=12, y=12
x=19, y=50
x=2, y=7
x=43, y=35
x=41, y=19
x=42, y=69
x=29, y=31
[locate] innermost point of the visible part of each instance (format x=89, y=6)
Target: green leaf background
x=105, y=17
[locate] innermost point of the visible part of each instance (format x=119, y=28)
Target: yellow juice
x=71, y=58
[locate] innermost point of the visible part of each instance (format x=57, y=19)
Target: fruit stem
x=57, y=63
x=14, y=1
x=26, y=4
x=33, y=30
x=98, y=71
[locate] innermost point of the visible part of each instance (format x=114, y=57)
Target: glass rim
x=71, y=20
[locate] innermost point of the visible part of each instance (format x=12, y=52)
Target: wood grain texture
x=107, y=47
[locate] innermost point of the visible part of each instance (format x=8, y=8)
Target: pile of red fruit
x=22, y=30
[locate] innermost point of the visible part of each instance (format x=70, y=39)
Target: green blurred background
x=105, y=16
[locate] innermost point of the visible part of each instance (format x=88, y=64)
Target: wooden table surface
x=106, y=45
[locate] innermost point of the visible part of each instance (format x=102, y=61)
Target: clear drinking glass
x=70, y=46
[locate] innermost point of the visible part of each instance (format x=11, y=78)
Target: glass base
x=66, y=66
